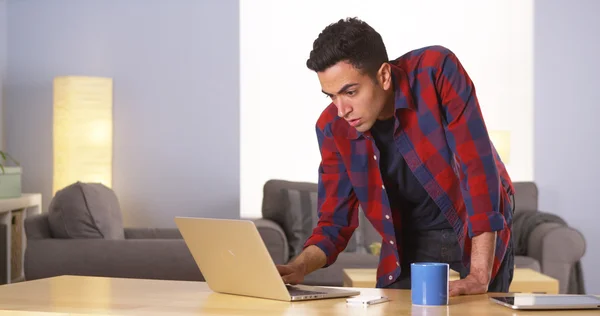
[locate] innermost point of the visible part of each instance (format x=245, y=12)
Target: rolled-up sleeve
x=337, y=203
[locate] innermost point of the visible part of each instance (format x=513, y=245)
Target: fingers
x=454, y=292
x=290, y=279
x=456, y=288
x=466, y=287
x=284, y=269
x=288, y=274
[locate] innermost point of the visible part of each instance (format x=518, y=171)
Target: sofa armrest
x=274, y=238
x=557, y=248
x=168, y=259
x=152, y=233
x=37, y=226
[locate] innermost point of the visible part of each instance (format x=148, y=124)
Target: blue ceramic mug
x=429, y=283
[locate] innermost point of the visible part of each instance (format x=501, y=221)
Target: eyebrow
x=343, y=89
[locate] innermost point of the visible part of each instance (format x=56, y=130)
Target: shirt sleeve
x=337, y=202
x=469, y=140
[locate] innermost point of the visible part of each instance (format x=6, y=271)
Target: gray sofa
x=142, y=253
x=145, y=253
x=82, y=234
x=288, y=217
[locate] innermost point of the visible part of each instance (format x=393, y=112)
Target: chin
x=364, y=127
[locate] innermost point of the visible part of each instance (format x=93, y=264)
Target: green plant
x=5, y=157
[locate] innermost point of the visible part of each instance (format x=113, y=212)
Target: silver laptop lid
x=232, y=257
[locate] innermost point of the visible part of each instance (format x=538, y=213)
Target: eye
x=351, y=93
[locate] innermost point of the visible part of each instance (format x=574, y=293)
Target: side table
x=28, y=204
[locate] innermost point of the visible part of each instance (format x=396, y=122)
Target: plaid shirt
x=441, y=133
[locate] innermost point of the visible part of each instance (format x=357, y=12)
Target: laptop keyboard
x=296, y=292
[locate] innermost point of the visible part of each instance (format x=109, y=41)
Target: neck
x=389, y=106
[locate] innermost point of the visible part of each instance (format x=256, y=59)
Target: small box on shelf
x=10, y=182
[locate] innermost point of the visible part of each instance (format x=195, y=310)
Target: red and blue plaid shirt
x=442, y=136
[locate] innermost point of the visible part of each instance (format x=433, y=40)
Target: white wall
x=281, y=99
x=567, y=97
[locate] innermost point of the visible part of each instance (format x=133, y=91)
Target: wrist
x=300, y=264
x=481, y=275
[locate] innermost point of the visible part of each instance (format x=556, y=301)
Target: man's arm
x=481, y=186
x=482, y=257
x=338, y=215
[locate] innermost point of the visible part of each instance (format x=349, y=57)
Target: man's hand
x=292, y=273
x=311, y=259
x=482, y=258
x=467, y=286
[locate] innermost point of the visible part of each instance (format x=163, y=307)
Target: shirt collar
x=402, y=91
x=402, y=98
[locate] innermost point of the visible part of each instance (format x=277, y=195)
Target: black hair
x=350, y=40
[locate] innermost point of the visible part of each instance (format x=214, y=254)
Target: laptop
x=548, y=302
x=233, y=259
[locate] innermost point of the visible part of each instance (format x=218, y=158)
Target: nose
x=343, y=108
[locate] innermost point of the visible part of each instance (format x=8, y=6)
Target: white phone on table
x=366, y=300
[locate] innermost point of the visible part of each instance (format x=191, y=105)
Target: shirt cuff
x=326, y=245
x=486, y=222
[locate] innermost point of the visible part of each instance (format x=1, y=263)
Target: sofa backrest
x=293, y=205
x=526, y=196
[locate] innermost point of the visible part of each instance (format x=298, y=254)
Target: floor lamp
x=82, y=130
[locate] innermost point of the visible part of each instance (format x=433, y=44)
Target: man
x=406, y=140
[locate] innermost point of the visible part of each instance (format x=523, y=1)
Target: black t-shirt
x=405, y=193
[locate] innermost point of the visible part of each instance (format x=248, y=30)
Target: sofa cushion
x=293, y=205
x=85, y=210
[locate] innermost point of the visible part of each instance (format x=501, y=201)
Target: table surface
x=78, y=295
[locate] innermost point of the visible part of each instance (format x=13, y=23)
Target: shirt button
x=397, y=263
x=390, y=277
x=387, y=217
x=383, y=186
x=375, y=157
x=391, y=242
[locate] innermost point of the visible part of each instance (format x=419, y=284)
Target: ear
x=384, y=76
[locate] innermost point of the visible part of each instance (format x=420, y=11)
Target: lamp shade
x=82, y=130
x=501, y=141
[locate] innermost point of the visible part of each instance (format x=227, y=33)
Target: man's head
x=350, y=60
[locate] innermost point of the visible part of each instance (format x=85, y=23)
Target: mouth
x=354, y=122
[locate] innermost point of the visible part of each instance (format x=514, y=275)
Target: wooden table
x=524, y=280
x=78, y=295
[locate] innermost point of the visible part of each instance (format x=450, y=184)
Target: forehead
x=338, y=75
